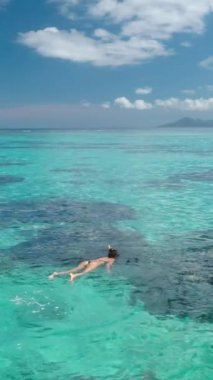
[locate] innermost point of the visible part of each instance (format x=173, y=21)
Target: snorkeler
x=89, y=265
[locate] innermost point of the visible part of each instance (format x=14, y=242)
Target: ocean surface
x=63, y=197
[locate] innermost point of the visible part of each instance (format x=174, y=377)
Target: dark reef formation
x=174, y=279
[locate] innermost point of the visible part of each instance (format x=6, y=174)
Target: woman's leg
x=81, y=266
x=87, y=269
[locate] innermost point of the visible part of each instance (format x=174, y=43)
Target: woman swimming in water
x=87, y=266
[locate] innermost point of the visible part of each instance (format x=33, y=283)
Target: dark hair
x=112, y=253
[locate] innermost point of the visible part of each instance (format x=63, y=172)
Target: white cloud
x=76, y=46
x=142, y=30
x=104, y=34
x=139, y=104
x=66, y=7
x=123, y=102
x=171, y=102
x=207, y=63
x=143, y=91
x=188, y=92
x=105, y=105
x=200, y=104
x=142, y=105
x=187, y=104
x=154, y=19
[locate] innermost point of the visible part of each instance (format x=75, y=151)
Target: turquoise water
x=64, y=197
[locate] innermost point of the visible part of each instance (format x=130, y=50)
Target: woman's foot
x=72, y=277
x=54, y=274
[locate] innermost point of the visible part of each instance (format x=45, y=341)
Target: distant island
x=188, y=122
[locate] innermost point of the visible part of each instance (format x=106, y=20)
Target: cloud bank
x=200, y=104
x=143, y=29
x=139, y=104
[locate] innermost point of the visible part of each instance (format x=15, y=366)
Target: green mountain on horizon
x=189, y=122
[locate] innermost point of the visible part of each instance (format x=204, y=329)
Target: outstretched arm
x=109, y=266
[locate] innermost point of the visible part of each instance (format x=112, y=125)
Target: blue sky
x=104, y=63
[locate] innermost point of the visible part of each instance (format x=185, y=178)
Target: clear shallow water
x=64, y=197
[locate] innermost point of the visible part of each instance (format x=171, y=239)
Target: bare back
x=93, y=264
